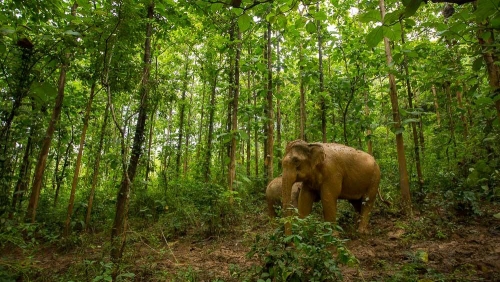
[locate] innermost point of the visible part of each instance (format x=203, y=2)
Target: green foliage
x=306, y=255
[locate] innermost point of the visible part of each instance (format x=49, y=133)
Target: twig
x=163, y=235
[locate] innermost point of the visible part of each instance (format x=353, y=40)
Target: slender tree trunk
x=410, y=104
x=302, y=95
x=436, y=105
x=55, y=178
x=491, y=60
x=268, y=163
x=150, y=143
x=368, y=131
x=61, y=176
x=249, y=122
x=462, y=115
x=182, y=114
x=186, y=144
x=23, y=180
x=449, y=110
x=236, y=93
x=403, y=172
x=256, y=134
x=211, y=113
x=97, y=163
x=321, y=79
x=74, y=183
x=118, y=231
x=44, y=152
x=278, y=101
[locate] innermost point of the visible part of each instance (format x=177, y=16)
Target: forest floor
x=424, y=248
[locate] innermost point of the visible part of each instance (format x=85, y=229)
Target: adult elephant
x=274, y=193
x=330, y=171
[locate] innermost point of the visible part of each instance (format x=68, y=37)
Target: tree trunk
x=118, y=231
x=186, y=143
x=236, y=92
x=44, y=152
x=256, y=134
x=97, y=163
x=410, y=105
x=492, y=67
x=462, y=115
x=249, y=122
x=182, y=114
x=76, y=174
x=302, y=95
x=449, y=110
x=368, y=131
x=278, y=103
x=268, y=163
x=211, y=113
x=321, y=79
x=403, y=172
x=150, y=143
x=23, y=180
x=436, y=105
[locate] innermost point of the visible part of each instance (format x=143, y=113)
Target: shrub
x=311, y=253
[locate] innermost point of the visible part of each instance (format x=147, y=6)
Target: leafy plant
x=311, y=253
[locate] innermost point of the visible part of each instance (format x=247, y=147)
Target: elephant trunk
x=289, y=179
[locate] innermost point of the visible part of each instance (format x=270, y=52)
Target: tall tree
x=269, y=108
x=44, y=152
x=118, y=231
x=404, y=182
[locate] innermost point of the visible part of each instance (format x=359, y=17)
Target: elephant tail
x=386, y=202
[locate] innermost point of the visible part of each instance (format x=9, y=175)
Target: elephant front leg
x=306, y=198
x=329, y=195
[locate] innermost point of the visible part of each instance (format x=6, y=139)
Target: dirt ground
x=420, y=249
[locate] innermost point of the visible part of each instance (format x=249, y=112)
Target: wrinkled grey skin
x=273, y=195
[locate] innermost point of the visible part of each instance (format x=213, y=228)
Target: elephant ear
x=317, y=154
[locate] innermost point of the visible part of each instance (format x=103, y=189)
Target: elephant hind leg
x=366, y=207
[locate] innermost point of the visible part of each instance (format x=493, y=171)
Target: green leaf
x=320, y=16
x=477, y=64
x=497, y=215
x=399, y=131
x=244, y=22
x=392, y=17
x=374, y=36
x=393, y=32
x=216, y=7
x=412, y=7
x=410, y=120
x=42, y=92
x=311, y=27
x=71, y=32
x=371, y=16
x=282, y=21
x=485, y=8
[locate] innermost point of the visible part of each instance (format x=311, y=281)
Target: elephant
x=273, y=195
x=331, y=171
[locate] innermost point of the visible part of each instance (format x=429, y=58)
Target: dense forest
x=138, y=138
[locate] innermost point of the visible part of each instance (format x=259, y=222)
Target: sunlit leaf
x=244, y=22
x=412, y=7
x=370, y=16
x=375, y=36
x=311, y=27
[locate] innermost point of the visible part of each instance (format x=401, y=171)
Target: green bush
x=311, y=253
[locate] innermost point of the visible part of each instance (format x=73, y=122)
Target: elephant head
x=299, y=164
